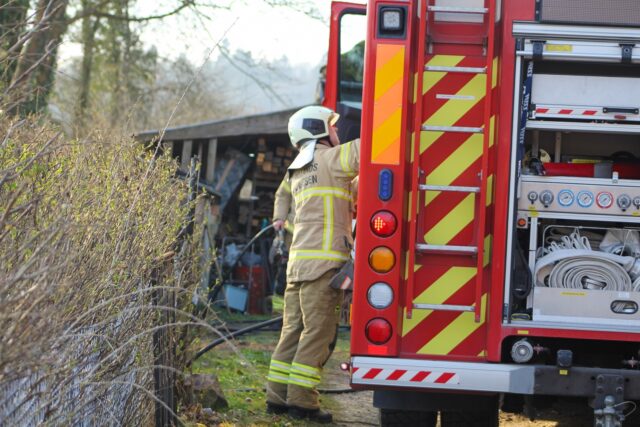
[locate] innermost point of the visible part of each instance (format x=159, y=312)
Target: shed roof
x=260, y=124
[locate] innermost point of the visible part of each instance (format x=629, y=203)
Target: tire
x=394, y=418
x=470, y=419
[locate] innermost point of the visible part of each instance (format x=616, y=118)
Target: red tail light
x=383, y=223
x=378, y=331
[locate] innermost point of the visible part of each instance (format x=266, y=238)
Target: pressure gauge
x=624, y=202
x=533, y=196
x=546, y=198
x=565, y=197
x=585, y=198
x=636, y=202
x=604, y=199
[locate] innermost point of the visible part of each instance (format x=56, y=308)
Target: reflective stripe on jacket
x=322, y=200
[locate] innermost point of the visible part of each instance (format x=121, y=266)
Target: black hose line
x=213, y=291
x=233, y=335
x=248, y=245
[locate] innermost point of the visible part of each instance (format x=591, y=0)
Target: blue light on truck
x=385, y=184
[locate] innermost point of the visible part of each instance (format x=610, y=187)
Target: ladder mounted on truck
x=457, y=44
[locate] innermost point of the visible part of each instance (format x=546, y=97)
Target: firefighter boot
x=273, y=408
x=320, y=310
x=317, y=415
x=280, y=367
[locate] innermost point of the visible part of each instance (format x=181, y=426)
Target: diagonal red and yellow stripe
x=449, y=218
x=387, y=104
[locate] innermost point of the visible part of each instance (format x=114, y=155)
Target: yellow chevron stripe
x=454, y=165
x=437, y=293
x=388, y=73
x=431, y=78
x=488, y=245
x=489, y=199
x=458, y=162
x=456, y=220
x=494, y=72
x=456, y=332
x=386, y=134
x=413, y=146
x=387, y=112
x=454, y=109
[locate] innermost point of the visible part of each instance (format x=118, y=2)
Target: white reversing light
x=391, y=20
x=380, y=295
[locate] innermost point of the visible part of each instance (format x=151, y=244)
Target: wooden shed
x=242, y=160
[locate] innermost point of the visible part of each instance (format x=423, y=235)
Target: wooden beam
x=211, y=160
x=185, y=160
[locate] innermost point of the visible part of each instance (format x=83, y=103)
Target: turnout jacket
x=321, y=193
x=283, y=205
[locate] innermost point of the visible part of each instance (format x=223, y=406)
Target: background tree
x=13, y=19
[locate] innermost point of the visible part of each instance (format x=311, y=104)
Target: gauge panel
x=580, y=196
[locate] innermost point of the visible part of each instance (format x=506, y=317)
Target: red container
x=256, y=278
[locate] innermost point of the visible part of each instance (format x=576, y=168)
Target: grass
x=242, y=371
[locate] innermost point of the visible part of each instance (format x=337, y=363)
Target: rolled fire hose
x=572, y=264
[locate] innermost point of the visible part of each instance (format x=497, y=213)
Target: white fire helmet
x=306, y=126
x=310, y=123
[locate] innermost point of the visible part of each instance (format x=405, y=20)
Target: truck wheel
x=394, y=418
x=470, y=419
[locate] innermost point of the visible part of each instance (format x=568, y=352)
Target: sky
x=268, y=32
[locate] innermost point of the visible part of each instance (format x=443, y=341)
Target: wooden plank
x=185, y=159
x=211, y=160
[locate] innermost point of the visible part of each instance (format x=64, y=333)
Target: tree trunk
x=89, y=29
x=35, y=70
x=13, y=19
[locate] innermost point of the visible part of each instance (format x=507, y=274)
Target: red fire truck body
x=498, y=209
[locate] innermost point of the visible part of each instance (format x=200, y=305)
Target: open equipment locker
x=580, y=99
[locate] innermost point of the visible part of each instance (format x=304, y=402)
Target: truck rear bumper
x=433, y=375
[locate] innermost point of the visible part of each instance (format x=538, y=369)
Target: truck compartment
x=576, y=196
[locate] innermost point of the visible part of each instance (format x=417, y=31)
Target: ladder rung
x=456, y=188
x=453, y=129
x=444, y=307
x=453, y=9
x=447, y=248
x=472, y=70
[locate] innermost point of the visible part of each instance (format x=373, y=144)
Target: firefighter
x=319, y=178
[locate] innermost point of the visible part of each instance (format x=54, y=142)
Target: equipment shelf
x=608, y=128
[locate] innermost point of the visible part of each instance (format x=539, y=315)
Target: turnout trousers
x=309, y=332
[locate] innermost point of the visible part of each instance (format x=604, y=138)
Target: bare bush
x=87, y=228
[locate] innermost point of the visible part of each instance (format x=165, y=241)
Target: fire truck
x=498, y=246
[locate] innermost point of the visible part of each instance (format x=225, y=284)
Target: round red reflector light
x=383, y=223
x=378, y=331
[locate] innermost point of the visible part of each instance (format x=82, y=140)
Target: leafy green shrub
x=87, y=227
